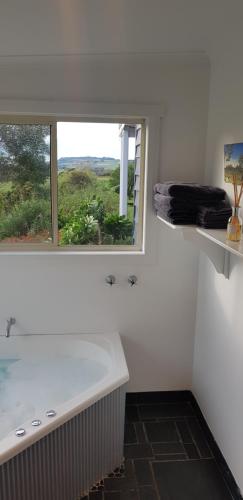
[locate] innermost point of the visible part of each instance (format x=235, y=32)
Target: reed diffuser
x=234, y=227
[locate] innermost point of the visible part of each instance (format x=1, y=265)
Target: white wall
x=218, y=358
x=67, y=293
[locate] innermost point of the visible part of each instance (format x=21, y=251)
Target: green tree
x=75, y=178
x=115, y=179
x=228, y=150
x=241, y=161
x=24, y=153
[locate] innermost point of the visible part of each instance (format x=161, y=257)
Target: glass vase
x=234, y=227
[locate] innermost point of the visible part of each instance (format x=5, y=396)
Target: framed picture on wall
x=233, y=163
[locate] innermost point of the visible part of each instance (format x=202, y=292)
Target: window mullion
x=54, y=183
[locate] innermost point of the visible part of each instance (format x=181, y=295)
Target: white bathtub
x=98, y=358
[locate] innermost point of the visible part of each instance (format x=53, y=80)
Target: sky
x=237, y=151
x=90, y=139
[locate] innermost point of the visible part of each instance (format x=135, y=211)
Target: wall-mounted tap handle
x=110, y=280
x=132, y=280
x=10, y=322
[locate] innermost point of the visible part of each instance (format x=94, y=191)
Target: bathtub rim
x=117, y=376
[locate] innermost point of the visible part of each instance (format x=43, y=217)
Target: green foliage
x=24, y=152
x=87, y=209
x=84, y=225
x=96, y=208
x=15, y=194
x=29, y=217
x=81, y=230
x=228, y=150
x=119, y=227
x=90, y=224
x=74, y=179
x=73, y=205
x=233, y=174
x=115, y=179
x=70, y=201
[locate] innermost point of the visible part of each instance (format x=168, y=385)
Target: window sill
x=57, y=251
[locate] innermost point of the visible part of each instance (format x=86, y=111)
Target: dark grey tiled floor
x=166, y=458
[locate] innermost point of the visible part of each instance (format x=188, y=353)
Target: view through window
x=25, y=192
x=98, y=176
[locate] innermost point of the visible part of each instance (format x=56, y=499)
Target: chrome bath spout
x=10, y=322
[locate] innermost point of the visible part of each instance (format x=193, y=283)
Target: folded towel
x=189, y=190
x=178, y=219
x=180, y=212
x=211, y=217
x=172, y=202
x=214, y=217
x=191, y=203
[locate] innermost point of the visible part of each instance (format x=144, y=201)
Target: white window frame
x=29, y=112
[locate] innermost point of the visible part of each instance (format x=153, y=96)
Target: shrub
x=68, y=204
x=118, y=226
x=83, y=225
x=77, y=207
x=81, y=230
x=29, y=217
x=75, y=179
x=94, y=207
x=115, y=179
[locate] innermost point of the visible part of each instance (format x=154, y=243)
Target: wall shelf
x=212, y=242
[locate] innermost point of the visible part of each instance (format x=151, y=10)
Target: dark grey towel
x=189, y=190
x=214, y=217
x=172, y=202
x=178, y=219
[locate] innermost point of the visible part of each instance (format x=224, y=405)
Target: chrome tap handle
x=132, y=279
x=11, y=321
x=110, y=280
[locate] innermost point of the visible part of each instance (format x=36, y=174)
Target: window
x=71, y=184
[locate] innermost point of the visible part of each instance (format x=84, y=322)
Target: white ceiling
x=48, y=27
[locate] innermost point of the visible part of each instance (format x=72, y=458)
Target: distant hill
x=91, y=162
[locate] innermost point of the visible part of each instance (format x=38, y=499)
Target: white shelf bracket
x=226, y=264
x=212, y=242
x=219, y=257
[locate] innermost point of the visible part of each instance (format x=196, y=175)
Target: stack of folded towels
x=191, y=203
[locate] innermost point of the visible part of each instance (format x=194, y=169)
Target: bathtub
x=62, y=407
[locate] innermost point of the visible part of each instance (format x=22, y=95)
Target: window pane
x=25, y=200
x=98, y=183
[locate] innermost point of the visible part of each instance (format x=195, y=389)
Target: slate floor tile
x=96, y=495
x=139, y=429
x=190, y=480
x=199, y=438
x=184, y=431
x=129, y=495
x=119, y=484
x=167, y=448
x=121, y=495
x=165, y=410
x=142, y=450
x=170, y=457
x=130, y=434
x=129, y=468
x=161, y=431
x=167, y=457
x=132, y=414
x=191, y=450
x=112, y=495
x=143, y=472
x=147, y=493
